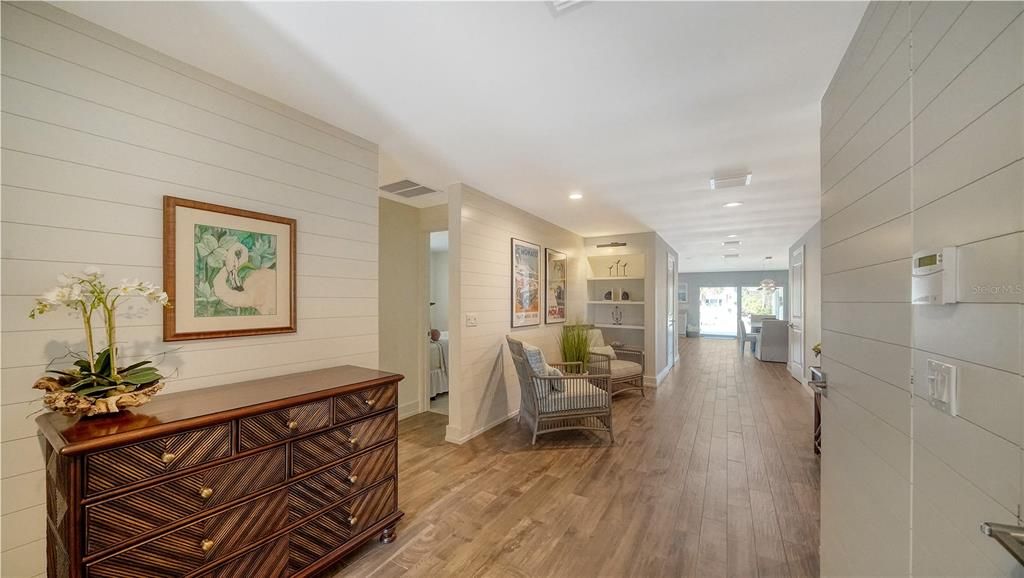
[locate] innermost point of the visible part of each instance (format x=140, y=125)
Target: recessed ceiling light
x=732, y=204
x=730, y=236
x=576, y=195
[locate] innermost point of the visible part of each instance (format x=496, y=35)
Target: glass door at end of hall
x=718, y=311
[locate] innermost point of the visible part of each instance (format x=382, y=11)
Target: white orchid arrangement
x=96, y=376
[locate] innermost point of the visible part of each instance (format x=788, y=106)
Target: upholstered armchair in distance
x=624, y=364
x=560, y=396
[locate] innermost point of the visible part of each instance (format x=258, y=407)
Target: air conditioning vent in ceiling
x=728, y=182
x=732, y=256
x=408, y=189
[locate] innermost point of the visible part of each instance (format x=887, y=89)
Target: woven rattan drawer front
x=270, y=561
x=191, y=547
x=126, y=465
x=330, y=530
x=264, y=429
x=322, y=449
x=118, y=519
x=355, y=405
x=334, y=484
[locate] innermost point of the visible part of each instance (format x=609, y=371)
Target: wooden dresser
x=274, y=477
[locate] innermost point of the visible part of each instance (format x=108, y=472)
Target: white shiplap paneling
x=96, y=130
x=485, y=390
x=950, y=177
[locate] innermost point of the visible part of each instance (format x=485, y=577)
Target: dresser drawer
x=200, y=543
x=267, y=428
x=358, y=404
x=118, y=519
x=268, y=561
x=122, y=466
x=327, y=532
x=334, y=484
x=330, y=446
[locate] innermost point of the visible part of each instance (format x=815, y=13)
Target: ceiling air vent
x=560, y=6
x=728, y=182
x=732, y=243
x=406, y=188
x=732, y=256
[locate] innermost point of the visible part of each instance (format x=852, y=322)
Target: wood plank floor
x=712, y=474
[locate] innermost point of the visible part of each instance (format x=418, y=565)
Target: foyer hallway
x=713, y=474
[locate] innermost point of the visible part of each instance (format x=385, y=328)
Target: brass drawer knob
x=352, y=479
x=206, y=545
x=353, y=440
x=370, y=402
x=293, y=425
x=168, y=457
x=205, y=493
x=352, y=520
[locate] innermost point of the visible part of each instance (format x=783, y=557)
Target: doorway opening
x=437, y=344
x=718, y=311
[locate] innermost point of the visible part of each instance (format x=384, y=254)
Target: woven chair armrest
x=599, y=356
x=558, y=377
x=631, y=355
x=566, y=364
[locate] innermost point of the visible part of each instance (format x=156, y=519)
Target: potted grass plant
x=574, y=343
x=95, y=383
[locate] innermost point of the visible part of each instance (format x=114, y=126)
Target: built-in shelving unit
x=616, y=314
x=614, y=326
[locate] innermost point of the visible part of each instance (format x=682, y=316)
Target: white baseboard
x=409, y=409
x=664, y=373
x=453, y=435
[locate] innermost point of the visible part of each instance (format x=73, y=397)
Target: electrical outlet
x=471, y=320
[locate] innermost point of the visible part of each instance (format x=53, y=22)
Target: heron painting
x=229, y=272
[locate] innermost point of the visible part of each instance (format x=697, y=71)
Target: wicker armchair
x=626, y=368
x=573, y=400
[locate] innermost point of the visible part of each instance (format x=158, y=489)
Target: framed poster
x=227, y=272
x=683, y=293
x=525, y=284
x=555, y=266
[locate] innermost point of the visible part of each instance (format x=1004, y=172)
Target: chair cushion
x=603, y=350
x=596, y=338
x=623, y=368
x=580, y=395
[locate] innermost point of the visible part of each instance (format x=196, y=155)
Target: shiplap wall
x=96, y=129
x=922, y=146
x=485, y=389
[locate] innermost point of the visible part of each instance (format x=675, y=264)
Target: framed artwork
x=555, y=265
x=684, y=296
x=227, y=272
x=525, y=284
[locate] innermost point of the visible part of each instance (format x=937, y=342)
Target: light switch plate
x=471, y=320
x=942, y=386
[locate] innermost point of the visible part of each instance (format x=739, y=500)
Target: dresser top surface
x=174, y=412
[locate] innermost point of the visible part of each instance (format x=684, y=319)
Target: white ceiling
x=636, y=105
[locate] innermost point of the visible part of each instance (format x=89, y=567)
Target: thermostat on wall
x=934, y=277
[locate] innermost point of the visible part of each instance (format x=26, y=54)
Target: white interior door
x=796, y=315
